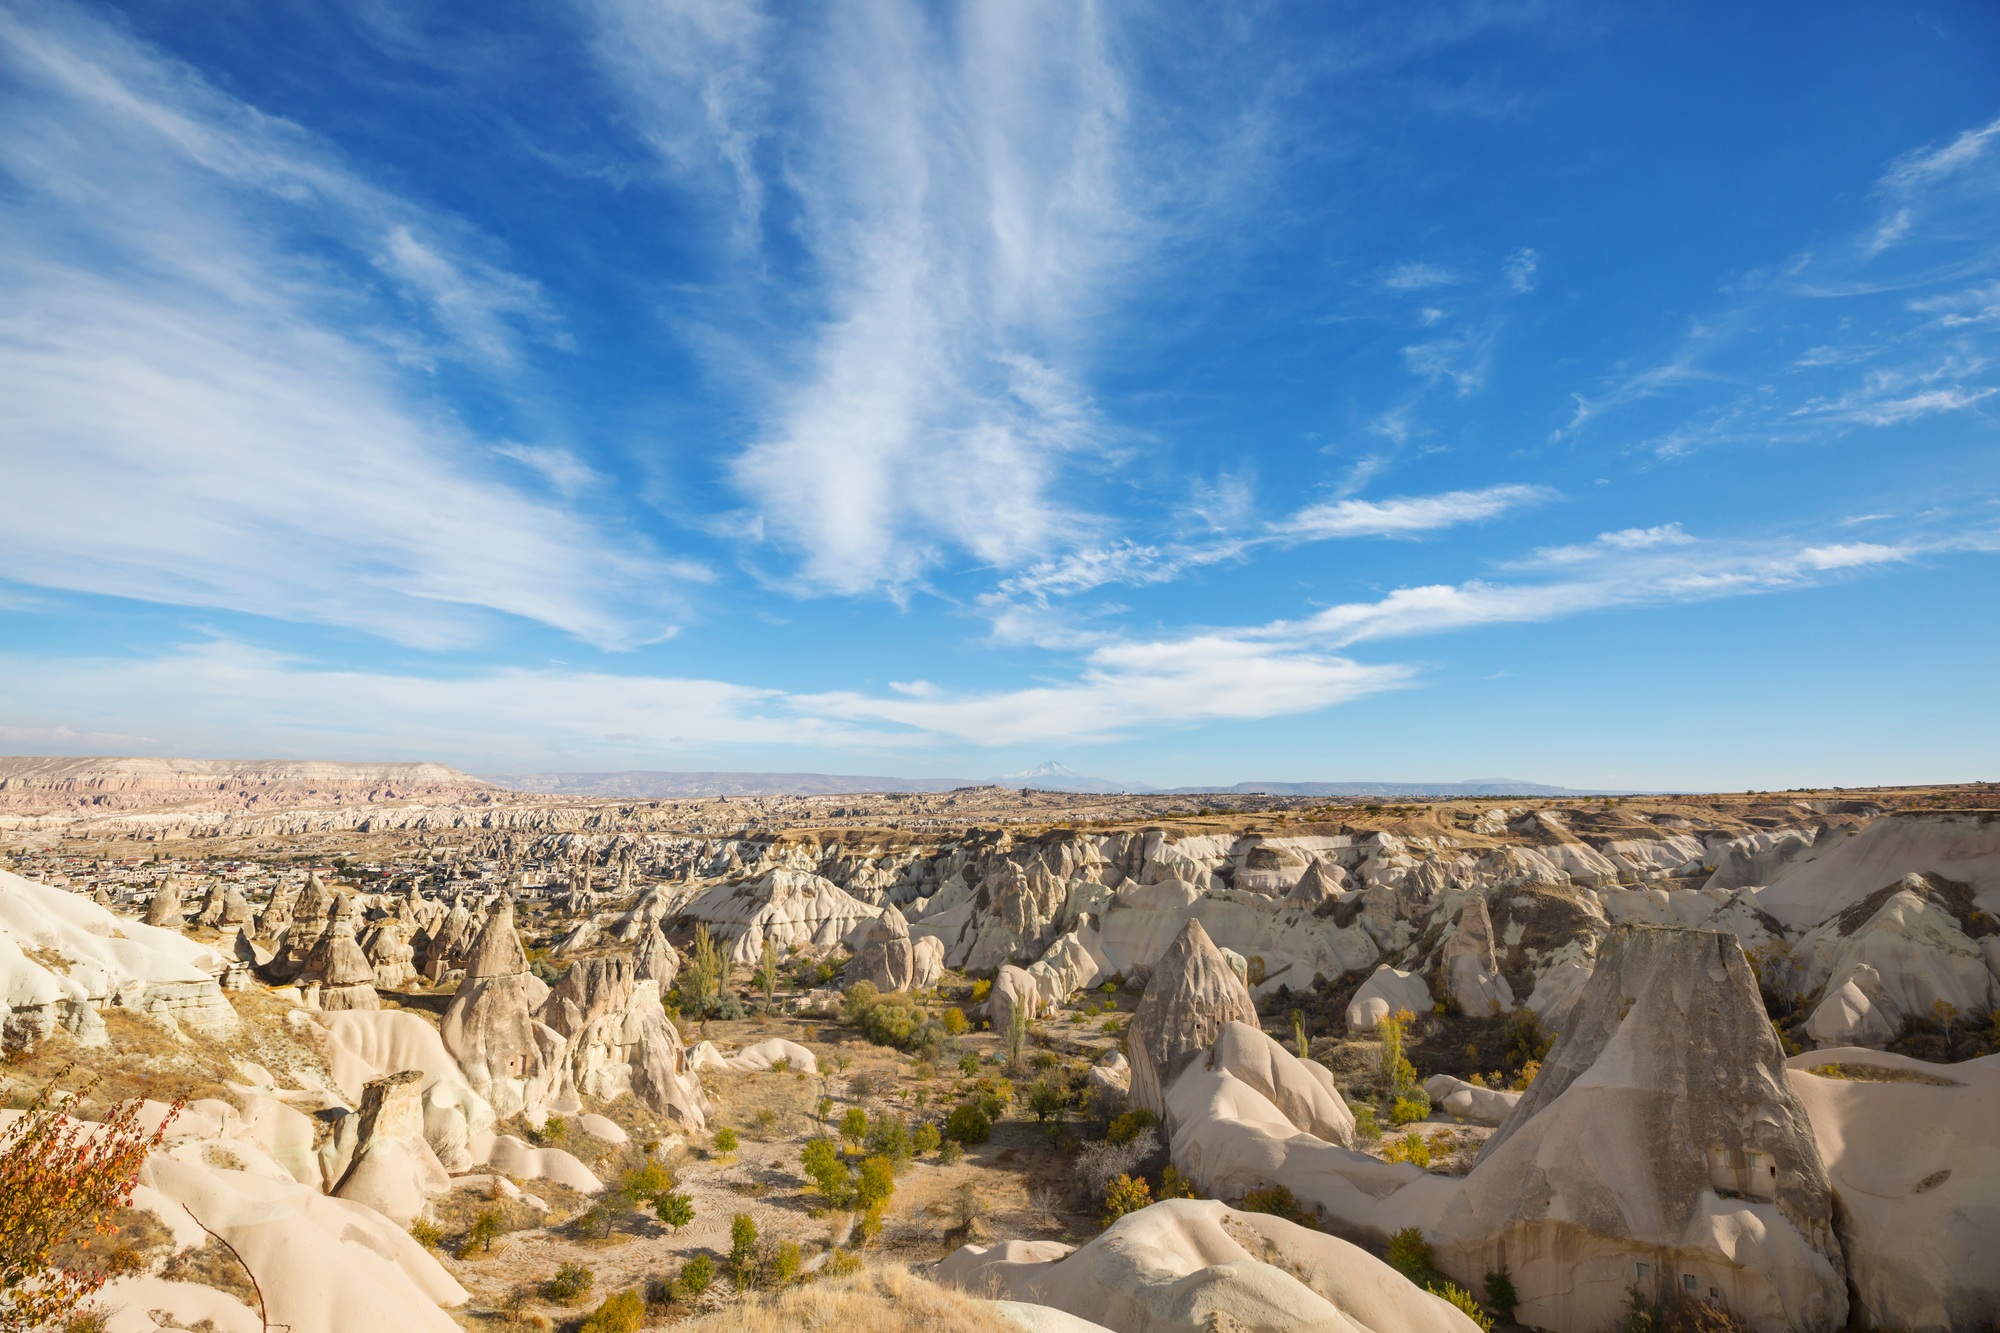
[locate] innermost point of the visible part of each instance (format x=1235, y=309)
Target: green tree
x=676, y=1210
x=1299, y=1033
x=742, y=1248
x=968, y=1123
x=1016, y=1036
x=854, y=1125
x=1046, y=1099
x=767, y=972
x=694, y=1277
x=876, y=1183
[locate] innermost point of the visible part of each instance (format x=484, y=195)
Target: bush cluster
x=1279, y=1201
x=1412, y=1256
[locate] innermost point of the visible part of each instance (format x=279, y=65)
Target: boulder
x=884, y=957
x=1470, y=968
x=926, y=962
x=1388, y=991
x=1659, y=1150
x=1015, y=990
x=1469, y=1103
x=1192, y=993
x=1193, y=1266
x=1303, y=1091
x=512, y=1060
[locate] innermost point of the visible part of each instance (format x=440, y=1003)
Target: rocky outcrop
x=164, y=910
x=276, y=918
x=1913, y=936
x=1659, y=1149
x=512, y=1060
x=926, y=962
x=619, y=1040
x=337, y=968
x=884, y=956
x=308, y=923
x=654, y=958
x=1193, y=992
x=1323, y=882
x=393, y=1170
x=1193, y=1266
x=1909, y=1149
x=1471, y=968
x=63, y=957
x=1857, y=1012
x=787, y=907
x=390, y=956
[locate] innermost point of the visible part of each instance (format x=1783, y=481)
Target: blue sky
x=1598, y=394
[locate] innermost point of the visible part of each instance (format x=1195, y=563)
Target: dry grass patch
x=877, y=1300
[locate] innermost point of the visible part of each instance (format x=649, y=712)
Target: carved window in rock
x=1743, y=1173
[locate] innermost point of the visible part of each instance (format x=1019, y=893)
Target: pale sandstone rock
x=1841, y=870
x=619, y=1040
x=1192, y=1266
x=1466, y=1102
x=1471, y=968
x=926, y=962
x=1667, y=1088
x=512, y=1060
x=1303, y=1091
x=654, y=958
x=1192, y=994
x=1909, y=932
x=392, y=1169
x=1014, y=991
x=787, y=907
x=1915, y=1168
x=1856, y=1012
x=1388, y=991
x=362, y=1046
x=885, y=957
x=164, y=910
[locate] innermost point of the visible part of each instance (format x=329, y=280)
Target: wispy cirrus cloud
x=1897, y=321
x=962, y=190
x=212, y=402
x=1409, y=515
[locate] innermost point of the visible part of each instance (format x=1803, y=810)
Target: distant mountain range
x=647, y=784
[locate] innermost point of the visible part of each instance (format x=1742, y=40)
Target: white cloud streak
x=204, y=404
x=961, y=188
x=1410, y=515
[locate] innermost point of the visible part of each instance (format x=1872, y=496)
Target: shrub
x=1500, y=1295
x=1174, y=1185
x=1127, y=1127
x=927, y=1138
x=645, y=1183
x=854, y=1125
x=1412, y=1256
x=59, y=1178
x=1463, y=1299
x=1278, y=1201
x=1046, y=1099
x=875, y=1183
x=485, y=1229
x=1409, y=1110
x=786, y=1262
x=675, y=1210
x=1526, y=1077
x=742, y=1248
x=1366, y=1127
x=694, y=1277
x=1097, y=1163
x=954, y=1022
x=950, y=1152
x=980, y=990
x=1412, y=1148
x=427, y=1233
x=570, y=1285
x=725, y=1141
x=889, y=1137
x=1125, y=1195
x=968, y=1064
x=623, y=1313
x=553, y=1129
x=968, y=1123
